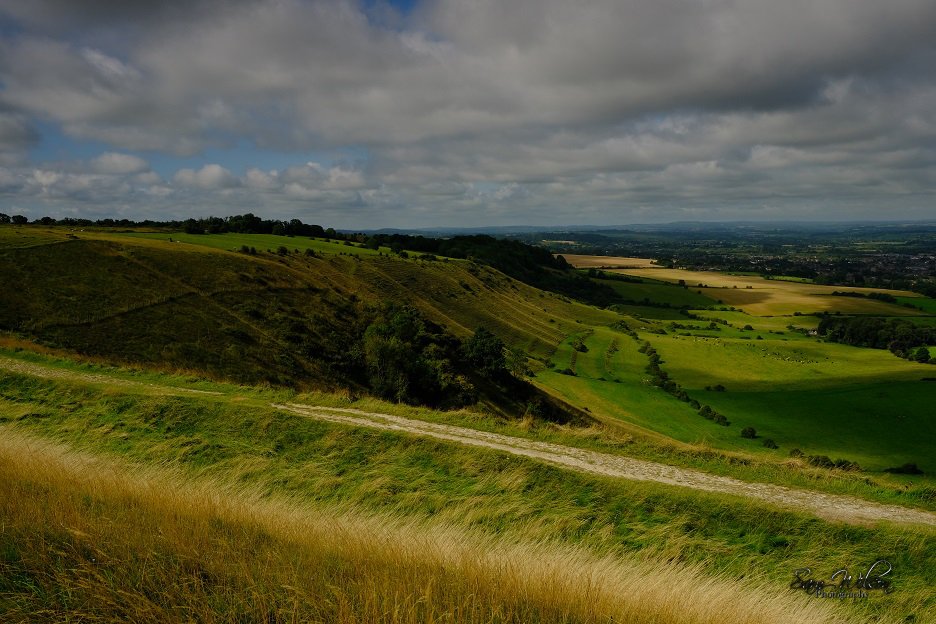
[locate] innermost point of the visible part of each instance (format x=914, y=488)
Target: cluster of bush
x=823, y=461
x=624, y=328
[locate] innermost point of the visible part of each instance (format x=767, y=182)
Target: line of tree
x=661, y=379
x=241, y=224
x=902, y=337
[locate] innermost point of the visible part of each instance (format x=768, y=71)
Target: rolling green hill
x=297, y=319
x=142, y=385
x=290, y=318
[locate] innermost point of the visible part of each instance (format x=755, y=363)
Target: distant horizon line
x=529, y=227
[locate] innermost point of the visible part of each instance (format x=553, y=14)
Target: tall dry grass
x=83, y=539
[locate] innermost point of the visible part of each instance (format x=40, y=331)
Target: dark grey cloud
x=521, y=111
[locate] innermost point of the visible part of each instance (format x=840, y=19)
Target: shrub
x=844, y=464
x=796, y=453
x=282, y=250
x=749, y=433
x=821, y=461
x=908, y=468
x=769, y=443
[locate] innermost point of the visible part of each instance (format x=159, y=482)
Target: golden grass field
x=595, y=262
x=100, y=541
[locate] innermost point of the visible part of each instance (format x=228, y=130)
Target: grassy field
x=827, y=399
x=923, y=303
x=262, y=242
x=658, y=292
x=761, y=297
x=247, y=484
x=612, y=433
x=595, y=262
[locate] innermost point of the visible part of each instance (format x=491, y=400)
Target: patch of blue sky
x=56, y=146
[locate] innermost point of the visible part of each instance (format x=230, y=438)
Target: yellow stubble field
x=762, y=297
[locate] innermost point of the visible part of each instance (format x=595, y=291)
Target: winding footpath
x=829, y=506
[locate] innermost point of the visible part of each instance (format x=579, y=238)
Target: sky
x=431, y=113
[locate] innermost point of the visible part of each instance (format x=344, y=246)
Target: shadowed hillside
x=285, y=318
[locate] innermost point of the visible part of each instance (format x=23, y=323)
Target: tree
x=485, y=351
x=749, y=433
x=516, y=362
x=921, y=355
x=19, y=220
x=4, y=218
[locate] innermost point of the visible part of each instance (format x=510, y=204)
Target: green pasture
x=926, y=304
x=865, y=405
x=613, y=384
x=879, y=425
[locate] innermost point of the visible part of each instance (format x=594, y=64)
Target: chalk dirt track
x=828, y=506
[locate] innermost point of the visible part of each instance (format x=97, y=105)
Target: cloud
x=207, y=178
x=601, y=109
x=112, y=162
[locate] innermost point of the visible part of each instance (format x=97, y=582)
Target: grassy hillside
x=863, y=405
x=156, y=546
x=248, y=484
x=260, y=242
x=290, y=318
